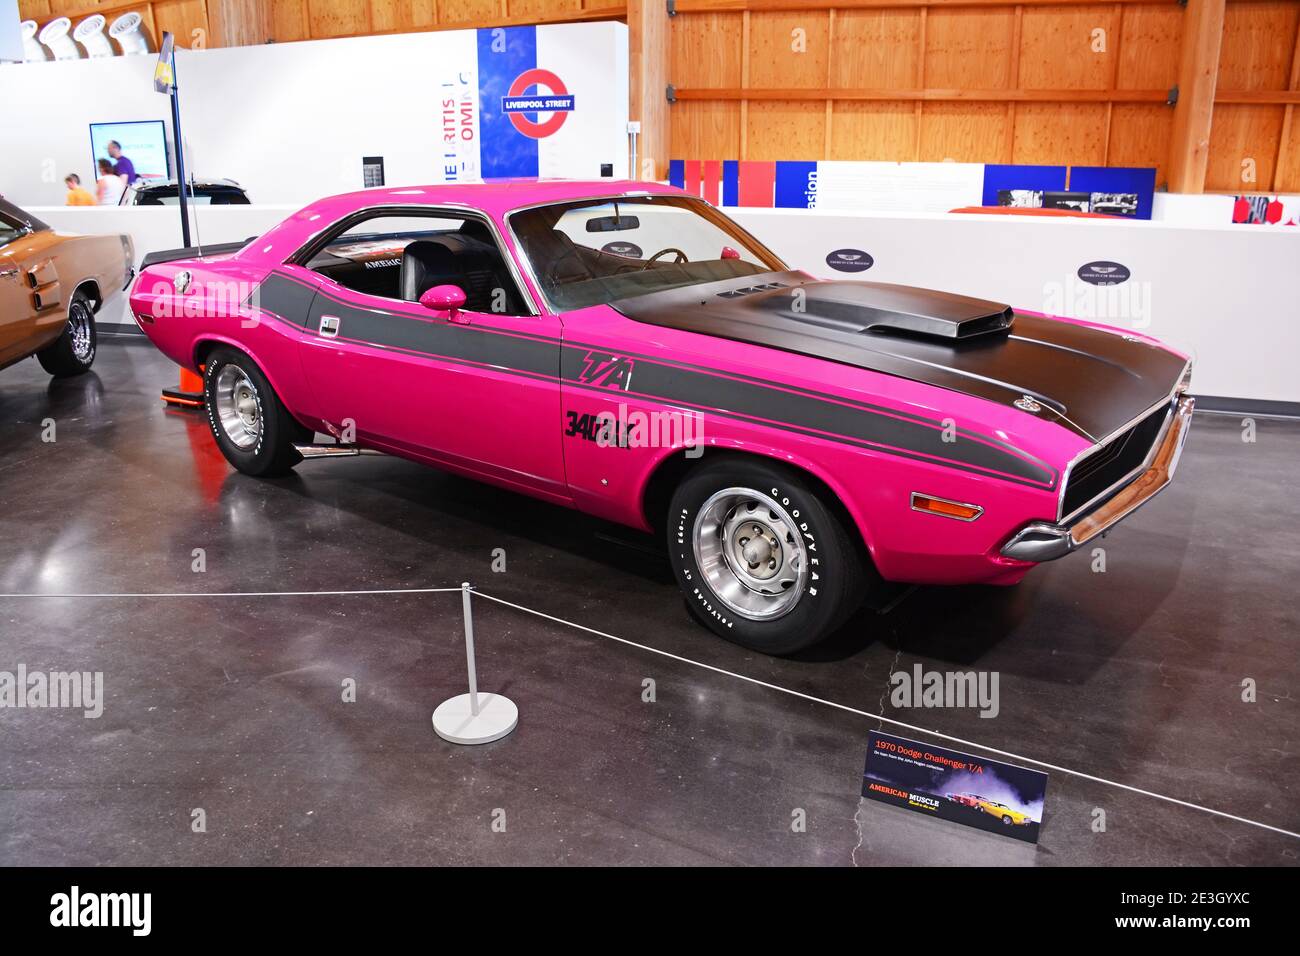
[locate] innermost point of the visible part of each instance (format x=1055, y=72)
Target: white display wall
x=292, y=121
x=1228, y=294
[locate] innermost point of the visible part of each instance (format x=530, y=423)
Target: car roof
x=496, y=199
x=497, y=196
x=143, y=184
x=14, y=212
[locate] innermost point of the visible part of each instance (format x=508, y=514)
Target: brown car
x=51, y=285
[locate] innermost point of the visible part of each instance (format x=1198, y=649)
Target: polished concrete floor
x=233, y=705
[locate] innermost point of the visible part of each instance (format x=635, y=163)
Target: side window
x=403, y=256
x=9, y=230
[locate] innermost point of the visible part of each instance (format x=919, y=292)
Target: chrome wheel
x=81, y=332
x=238, y=407
x=751, y=553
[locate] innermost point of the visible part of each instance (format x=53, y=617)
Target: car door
x=477, y=392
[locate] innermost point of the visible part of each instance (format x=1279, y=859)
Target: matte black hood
x=1090, y=381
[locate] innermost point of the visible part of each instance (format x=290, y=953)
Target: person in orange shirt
x=77, y=196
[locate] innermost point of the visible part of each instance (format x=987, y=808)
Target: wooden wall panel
x=873, y=131
x=785, y=129
x=1061, y=50
x=1060, y=133
x=969, y=48
x=1287, y=176
x=775, y=42
x=1150, y=45
x=338, y=18
x=235, y=22
x=876, y=49
x=966, y=72
x=182, y=18
x=38, y=10
x=423, y=13
x=704, y=130
x=289, y=20
x=1259, y=52
x=388, y=16
x=706, y=50
x=1243, y=134
x=1258, y=43
x=963, y=132
x=544, y=9
x=1139, y=136
x=464, y=11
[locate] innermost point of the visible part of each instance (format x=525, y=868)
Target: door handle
x=329, y=326
x=8, y=273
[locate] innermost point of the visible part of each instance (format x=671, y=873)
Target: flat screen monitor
x=143, y=142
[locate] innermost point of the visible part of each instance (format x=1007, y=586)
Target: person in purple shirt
x=121, y=165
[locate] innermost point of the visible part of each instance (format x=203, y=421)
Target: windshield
x=596, y=251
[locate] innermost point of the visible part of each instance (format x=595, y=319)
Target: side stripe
x=788, y=408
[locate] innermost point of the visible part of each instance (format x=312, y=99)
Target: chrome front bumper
x=1045, y=541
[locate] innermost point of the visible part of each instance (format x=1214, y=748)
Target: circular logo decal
x=850, y=260
x=629, y=249
x=540, y=78
x=1104, y=273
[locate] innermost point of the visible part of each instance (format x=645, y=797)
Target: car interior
x=575, y=275
x=404, y=264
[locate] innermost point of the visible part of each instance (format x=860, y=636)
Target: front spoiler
x=1045, y=541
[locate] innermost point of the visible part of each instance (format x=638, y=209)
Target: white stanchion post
x=474, y=718
x=469, y=647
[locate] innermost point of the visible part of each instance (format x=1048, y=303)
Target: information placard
x=951, y=785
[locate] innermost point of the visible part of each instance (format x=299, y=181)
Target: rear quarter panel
x=60, y=263
x=221, y=307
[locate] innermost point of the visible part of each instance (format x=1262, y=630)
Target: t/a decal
x=606, y=370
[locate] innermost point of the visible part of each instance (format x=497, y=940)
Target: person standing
x=77, y=196
x=121, y=165
x=110, y=186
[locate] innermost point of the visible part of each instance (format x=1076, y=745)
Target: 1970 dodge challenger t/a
x=585, y=342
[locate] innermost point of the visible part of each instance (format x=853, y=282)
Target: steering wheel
x=681, y=257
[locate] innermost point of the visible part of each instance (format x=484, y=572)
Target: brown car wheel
x=73, y=352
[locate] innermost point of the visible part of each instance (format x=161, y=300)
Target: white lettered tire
x=251, y=426
x=760, y=557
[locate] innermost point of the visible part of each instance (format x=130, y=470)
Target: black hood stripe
x=729, y=395
x=1092, y=381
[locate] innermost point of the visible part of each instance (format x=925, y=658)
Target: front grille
x=1109, y=464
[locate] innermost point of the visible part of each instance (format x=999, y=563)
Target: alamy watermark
x=21, y=689
x=633, y=428
x=922, y=688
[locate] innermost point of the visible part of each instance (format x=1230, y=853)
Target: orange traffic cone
x=189, y=394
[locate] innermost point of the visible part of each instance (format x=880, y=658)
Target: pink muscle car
x=627, y=350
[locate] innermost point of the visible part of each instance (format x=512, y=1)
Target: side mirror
x=444, y=301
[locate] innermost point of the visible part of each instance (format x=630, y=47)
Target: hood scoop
x=883, y=309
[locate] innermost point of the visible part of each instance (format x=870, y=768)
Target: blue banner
x=504, y=55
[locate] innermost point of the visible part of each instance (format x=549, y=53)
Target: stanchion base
x=497, y=716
